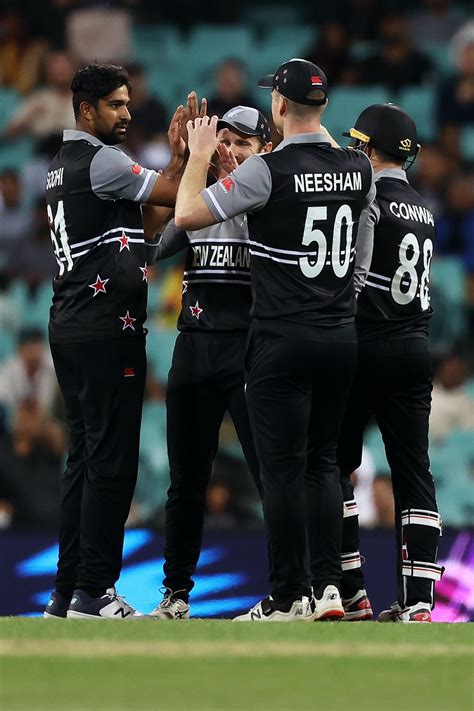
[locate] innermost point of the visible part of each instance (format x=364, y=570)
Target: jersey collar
x=397, y=173
x=303, y=138
x=73, y=135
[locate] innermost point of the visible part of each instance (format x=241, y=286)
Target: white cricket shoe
x=418, y=613
x=108, y=607
x=265, y=611
x=327, y=607
x=171, y=608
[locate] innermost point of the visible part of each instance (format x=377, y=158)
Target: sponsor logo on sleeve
x=227, y=184
x=137, y=169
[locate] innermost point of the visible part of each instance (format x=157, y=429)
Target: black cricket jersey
x=395, y=302
x=216, y=282
x=93, y=194
x=303, y=204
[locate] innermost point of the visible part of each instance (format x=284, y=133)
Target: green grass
x=200, y=665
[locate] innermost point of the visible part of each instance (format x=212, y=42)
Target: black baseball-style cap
x=388, y=128
x=298, y=80
x=246, y=120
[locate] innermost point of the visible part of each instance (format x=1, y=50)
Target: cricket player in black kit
x=394, y=373
x=303, y=203
x=94, y=192
x=207, y=373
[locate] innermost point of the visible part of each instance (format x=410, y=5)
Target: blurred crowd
x=359, y=43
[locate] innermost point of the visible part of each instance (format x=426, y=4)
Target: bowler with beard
x=94, y=195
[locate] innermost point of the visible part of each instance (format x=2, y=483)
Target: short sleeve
x=369, y=218
x=246, y=189
x=115, y=175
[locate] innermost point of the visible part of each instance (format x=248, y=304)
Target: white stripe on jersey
x=145, y=183
x=218, y=281
x=104, y=234
x=217, y=206
x=216, y=271
x=379, y=276
x=377, y=286
x=230, y=240
x=295, y=261
x=106, y=241
x=274, y=259
x=290, y=251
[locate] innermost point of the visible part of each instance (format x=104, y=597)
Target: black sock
x=94, y=592
x=65, y=592
x=318, y=591
x=181, y=595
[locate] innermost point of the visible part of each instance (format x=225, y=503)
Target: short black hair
x=95, y=81
x=387, y=158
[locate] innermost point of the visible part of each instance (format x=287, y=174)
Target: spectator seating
x=419, y=103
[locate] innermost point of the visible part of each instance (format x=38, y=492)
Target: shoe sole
x=327, y=616
x=165, y=618
x=358, y=616
x=49, y=616
x=74, y=615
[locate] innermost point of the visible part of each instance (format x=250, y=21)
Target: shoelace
x=120, y=598
x=170, y=598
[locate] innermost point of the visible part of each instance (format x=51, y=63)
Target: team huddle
x=305, y=311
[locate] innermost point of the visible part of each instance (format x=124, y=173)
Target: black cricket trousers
x=206, y=380
x=103, y=385
x=393, y=383
x=297, y=386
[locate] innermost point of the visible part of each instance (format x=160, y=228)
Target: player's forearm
x=155, y=219
x=189, y=204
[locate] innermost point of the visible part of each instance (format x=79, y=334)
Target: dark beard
x=111, y=138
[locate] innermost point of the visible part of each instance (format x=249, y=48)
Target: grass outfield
x=202, y=664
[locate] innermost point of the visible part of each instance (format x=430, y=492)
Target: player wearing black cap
x=393, y=376
x=303, y=203
x=97, y=336
x=207, y=373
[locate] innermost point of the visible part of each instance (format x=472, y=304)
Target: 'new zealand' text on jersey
x=303, y=204
x=396, y=300
x=93, y=194
x=216, y=281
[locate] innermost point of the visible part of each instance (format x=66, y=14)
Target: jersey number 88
x=409, y=255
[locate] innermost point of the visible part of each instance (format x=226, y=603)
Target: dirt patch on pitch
x=200, y=649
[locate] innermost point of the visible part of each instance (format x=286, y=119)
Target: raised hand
x=177, y=144
x=191, y=112
x=227, y=160
x=202, y=137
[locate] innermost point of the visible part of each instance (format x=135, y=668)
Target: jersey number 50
x=313, y=268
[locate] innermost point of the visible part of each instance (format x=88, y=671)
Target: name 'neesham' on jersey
x=327, y=182
x=220, y=255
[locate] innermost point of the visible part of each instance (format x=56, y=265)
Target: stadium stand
x=177, y=59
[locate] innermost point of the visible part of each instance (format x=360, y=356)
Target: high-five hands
x=191, y=112
x=176, y=141
x=202, y=138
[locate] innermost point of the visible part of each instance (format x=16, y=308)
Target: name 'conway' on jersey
x=303, y=202
x=396, y=300
x=93, y=195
